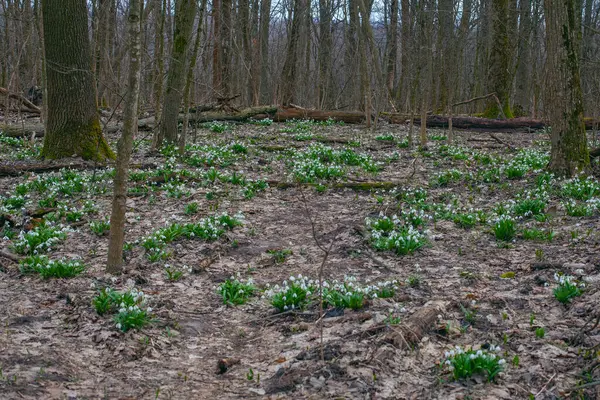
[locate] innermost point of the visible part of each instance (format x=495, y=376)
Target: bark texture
x=125, y=146
x=185, y=12
x=72, y=125
x=564, y=98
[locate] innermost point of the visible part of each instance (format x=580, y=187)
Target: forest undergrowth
x=304, y=260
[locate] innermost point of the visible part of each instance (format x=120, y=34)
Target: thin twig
x=546, y=385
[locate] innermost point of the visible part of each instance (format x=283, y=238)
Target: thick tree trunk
x=499, y=79
x=325, y=90
x=72, y=126
x=189, y=79
x=392, y=45
x=288, y=73
x=159, y=50
x=185, y=13
x=523, y=75
x=125, y=146
x=265, y=22
x=564, y=98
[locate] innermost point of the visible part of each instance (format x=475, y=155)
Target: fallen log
x=410, y=333
x=21, y=130
x=15, y=169
x=243, y=115
x=358, y=186
x=29, y=106
x=475, y=123
x=348, y=117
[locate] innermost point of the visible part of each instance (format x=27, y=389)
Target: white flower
x=118, y=326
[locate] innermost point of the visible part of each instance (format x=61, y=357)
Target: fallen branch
x=19, y=169
x=20, y=130
x=339, y=185
x=26, y=103
x=9, y=256
x=417, y=325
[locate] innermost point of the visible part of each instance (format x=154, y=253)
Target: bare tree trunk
x=288, y=74
x=125, y=146
x=185, y=13
x=265, y=22
x=190, y=78
x=325, y=89
x=392, y=43
x=225, y=38
x=159, y=65
x=72, y=126
x=499, y=79
x=523, y=74
x=402, y=93
x=353, y=79
x=564, y=102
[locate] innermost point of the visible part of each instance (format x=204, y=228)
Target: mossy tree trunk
x=289, y=70
x=185, y=12
x=499, y=79
x=564, y=98
x=72, y=124
x=159, y=50
x=117, y=218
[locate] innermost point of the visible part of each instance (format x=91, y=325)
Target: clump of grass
x=235, y=291
x=567, y=289
x=294, y=294
x=47, y=268
x=132, y=317
x=191, y=208
x=538, y=234
x=581, y=188
x=350, y=294
x=41, y=239
x=392, y=234
x=262, y=122
x=505, y=228
x=464, y=364
x=100, y=228
x=445, y=178
x=128, y=307
x=280, y=255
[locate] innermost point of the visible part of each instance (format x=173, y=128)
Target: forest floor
x=484, y=290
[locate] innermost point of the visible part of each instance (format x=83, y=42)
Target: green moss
x=83, y=140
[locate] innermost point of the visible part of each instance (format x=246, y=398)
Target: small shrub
x=191, y=208
x=505, y=228
x=109, y=300
x=100, y=228
x=529, y=207
x=540, y=333
x=132, y=317
x=39, y=240
x=47, y=268
x=280, y=255
x=466, y=363
x=567, y=288
x=293, y=295
x=236, y=291
x=466, y=220
x=538, y=234
x=390, y=234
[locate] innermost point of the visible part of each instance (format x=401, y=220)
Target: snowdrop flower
x=502, y=361
x=118, y=326
x=149, y=309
